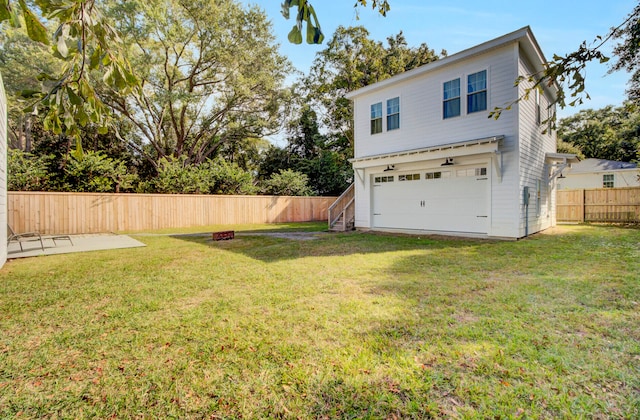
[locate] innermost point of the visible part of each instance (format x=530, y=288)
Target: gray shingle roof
x=601, y=165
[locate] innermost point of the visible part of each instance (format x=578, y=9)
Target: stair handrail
x=341, y=203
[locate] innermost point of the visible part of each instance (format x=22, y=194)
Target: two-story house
x=427, y=157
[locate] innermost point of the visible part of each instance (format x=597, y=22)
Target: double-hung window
x=608, y=181
x=393, y=114
x=538, y=108
x=376, y=118
x=451, y=99
x=477, y=92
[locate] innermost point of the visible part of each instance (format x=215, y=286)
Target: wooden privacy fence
x=612, y=205
x=57, y=213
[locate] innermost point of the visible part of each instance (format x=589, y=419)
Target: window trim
x=389, y=115
x=606, y=182
x=375, y=118
x=538, y=108
x=469, y=94
x=445, y=100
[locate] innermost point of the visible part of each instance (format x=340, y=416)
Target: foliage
x=306, y=13
x=567, y=73
x=210, y=72
x=21, y=61
x=176, y=176
x=628, y=52
x=90, y=172
x=95, y=172
x=27, y=172
x=611, y=133
x=564, y=147
x=343, y=326
x=85, y=43
x=323, y=159
x=287, y=182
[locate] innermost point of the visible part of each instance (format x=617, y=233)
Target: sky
x=560, y=27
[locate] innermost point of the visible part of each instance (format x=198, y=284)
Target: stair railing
x=343, y=207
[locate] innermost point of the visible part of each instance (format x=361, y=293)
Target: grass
x=345, y=326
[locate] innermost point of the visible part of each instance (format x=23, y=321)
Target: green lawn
x=346, y=326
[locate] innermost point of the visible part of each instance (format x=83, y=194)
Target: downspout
x=525, y=199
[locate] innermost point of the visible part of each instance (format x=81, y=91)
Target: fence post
x=584, y=205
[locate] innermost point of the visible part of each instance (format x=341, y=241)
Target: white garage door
x=451, y=199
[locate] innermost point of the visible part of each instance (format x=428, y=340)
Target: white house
x=428, y=159
x=599, y=173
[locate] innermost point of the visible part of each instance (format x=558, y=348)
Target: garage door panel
x=456, y=203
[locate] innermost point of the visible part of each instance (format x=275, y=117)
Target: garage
x=444, y=199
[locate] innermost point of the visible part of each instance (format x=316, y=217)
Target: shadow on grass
x=270, y=246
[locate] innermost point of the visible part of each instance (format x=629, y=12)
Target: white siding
x=533, y=146
x=521, y=157
x=421, y=122
x=622, y=178
x=422, y=125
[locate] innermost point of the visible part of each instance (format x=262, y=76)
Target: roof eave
x=522, y=34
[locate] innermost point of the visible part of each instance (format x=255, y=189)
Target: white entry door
x=451, y=199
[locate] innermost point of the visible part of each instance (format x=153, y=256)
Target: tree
x=176, y=176
x=84, y=42
x=26, y=172
x=210, y=75
x=567, y=72
x=21, y=61
x=611, y=133
x=96, y=172
x=287, y=182
x=628, y=52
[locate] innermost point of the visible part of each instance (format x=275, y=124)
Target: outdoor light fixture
x=561, y=176
x=390, y=168
x=447, y=162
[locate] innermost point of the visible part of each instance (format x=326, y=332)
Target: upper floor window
x=477, y=92
x=608, y=181
x=393, y=114
x=451, y=99
x=538, y=111
x=376, y=118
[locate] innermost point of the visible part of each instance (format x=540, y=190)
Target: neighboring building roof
x=522, y=35
x=601, y=165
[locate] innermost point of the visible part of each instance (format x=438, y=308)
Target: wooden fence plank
x=614, y=205
x=74, y=213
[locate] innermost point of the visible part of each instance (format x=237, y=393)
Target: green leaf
x=94, y=60
x=73, y=97
x=29, y=93
x=5, y=13
x=35, y=28
x=295, y=37
x=61, y=47
x=78, y=154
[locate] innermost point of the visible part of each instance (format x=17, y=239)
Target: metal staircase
x=342, y=212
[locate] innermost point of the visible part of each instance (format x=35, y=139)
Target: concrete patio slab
x=81, y=243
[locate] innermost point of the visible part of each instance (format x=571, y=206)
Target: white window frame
x=485, y=90
x=608, y=183
x=446, y=100
x=538, y=110
x=390, y=114
x=375, y=118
